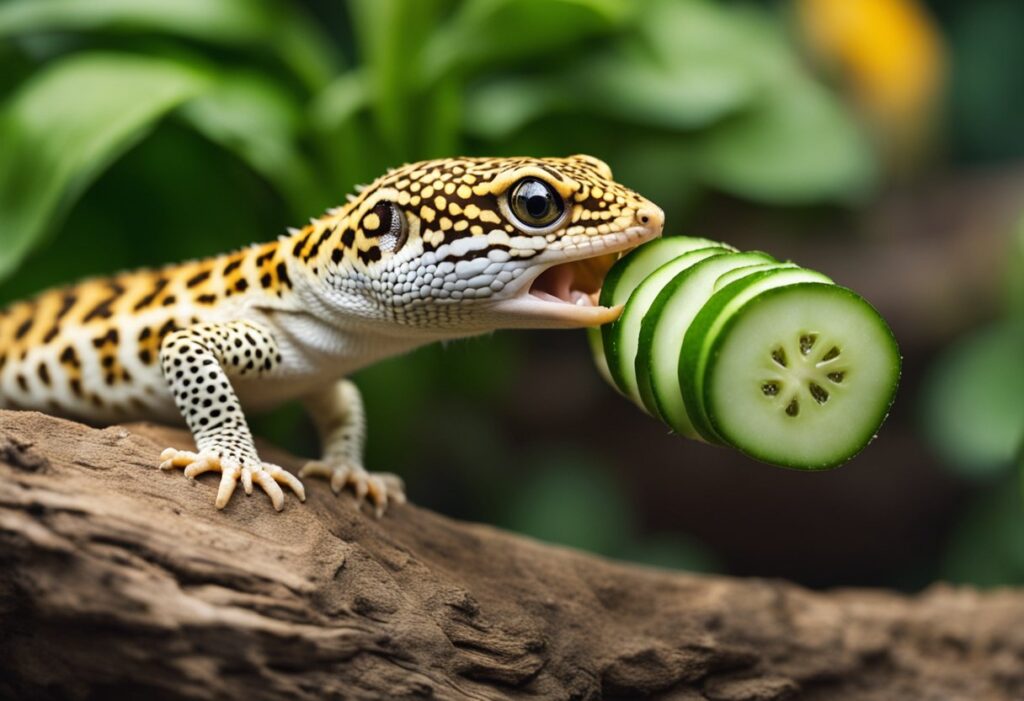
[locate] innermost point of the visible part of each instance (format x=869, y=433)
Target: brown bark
x=120, y=581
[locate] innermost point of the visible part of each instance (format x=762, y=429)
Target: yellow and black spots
x=310, y=242
x=423, y=243
x=196, y=363
x=438, y=202
x=71, y=367
x=272, y=270
x=107, y=347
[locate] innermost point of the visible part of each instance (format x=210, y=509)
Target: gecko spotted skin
x=430, y=251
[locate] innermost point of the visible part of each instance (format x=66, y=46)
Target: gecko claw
x=268, y=477
x=379, y=489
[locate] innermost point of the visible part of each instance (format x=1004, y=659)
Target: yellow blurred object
x=891, y=56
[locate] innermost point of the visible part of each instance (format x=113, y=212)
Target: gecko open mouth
x=567, y=294
x=578, y=283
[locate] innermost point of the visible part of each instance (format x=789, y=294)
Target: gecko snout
x=651, y=215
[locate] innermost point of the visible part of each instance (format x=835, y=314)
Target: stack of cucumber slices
x=740, y=349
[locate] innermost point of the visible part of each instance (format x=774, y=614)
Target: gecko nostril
x=650, y=215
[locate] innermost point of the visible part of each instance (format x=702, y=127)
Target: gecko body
x=430, y=251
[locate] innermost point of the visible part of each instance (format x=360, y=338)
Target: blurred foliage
x=973, y=407
x=890, y=56
x=572, y=498
x=987, y=548
x=717, y=91
x=973, y=414
x=988, y=85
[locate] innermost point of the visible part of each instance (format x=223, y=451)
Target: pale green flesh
x=710, y=321
x=663, y=330
x=626, y=274
x=733, y=275
x=817, y=330
x=622, y=356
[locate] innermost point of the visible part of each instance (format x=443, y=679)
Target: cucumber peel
x=664, y=327
x=742, y=350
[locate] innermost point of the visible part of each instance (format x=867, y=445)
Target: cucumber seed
x=807, y=342
x=819, y=393
x=779, y=356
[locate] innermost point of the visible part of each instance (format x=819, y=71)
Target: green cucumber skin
x=781, y=460
x=649, y=393
x=597, y=350
x=740, y=273
x=643, y=260
x=595, y=335
x=677, y=244
x=618, y=364
x=698, y=338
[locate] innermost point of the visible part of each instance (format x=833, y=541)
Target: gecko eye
x=386, y=222
x=535, y=203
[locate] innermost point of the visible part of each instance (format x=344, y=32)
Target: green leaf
x=687, y=95
x=495, y=110
x=66, y=125
x=692, y=63
x=798, y=145
x=390, y=36
x=622, y=84
x=261, y=123
x=268, y=25
x=489, y=31
x=973, y=410
x=337, y=116
x=338, y=103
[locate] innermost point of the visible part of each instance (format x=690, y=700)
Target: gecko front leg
x=196, y=363
x=341, y=422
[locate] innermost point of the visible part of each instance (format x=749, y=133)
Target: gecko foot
x=268, y=477
x=381, y=488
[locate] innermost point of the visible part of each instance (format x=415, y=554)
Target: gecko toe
x=267, y=477
x=379, y=489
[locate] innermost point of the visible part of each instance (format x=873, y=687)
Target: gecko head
x=472, y=244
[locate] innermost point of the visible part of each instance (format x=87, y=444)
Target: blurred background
x=878, y=141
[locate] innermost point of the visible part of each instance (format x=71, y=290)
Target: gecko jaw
x=565, y=294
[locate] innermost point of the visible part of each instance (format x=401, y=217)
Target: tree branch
x=120, y=581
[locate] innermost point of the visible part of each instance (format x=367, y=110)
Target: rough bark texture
x=118, y=581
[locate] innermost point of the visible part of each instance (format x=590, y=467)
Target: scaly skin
x=430, y=251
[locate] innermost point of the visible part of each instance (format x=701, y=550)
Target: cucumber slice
x=597, y=350
x=706, y=326
x=663, y=330
x=732, y=276
x=800, y=376
x=628, y=272
x=626, y=329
